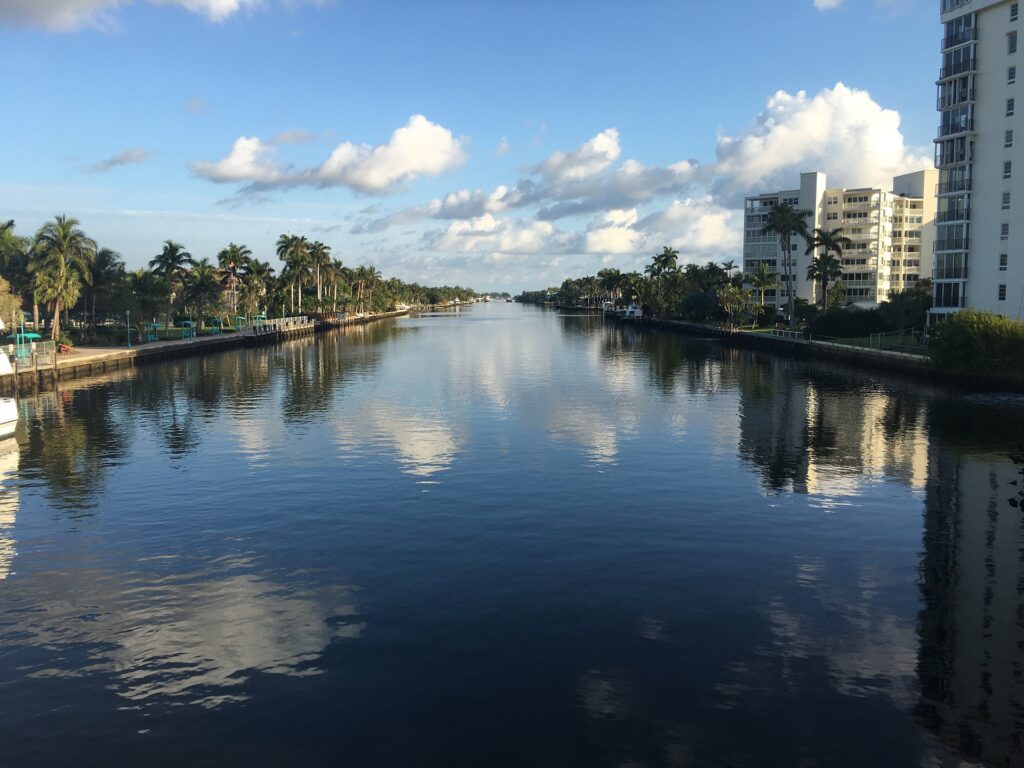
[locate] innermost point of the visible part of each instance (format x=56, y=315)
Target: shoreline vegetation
x=970, y=346
x=63, y=286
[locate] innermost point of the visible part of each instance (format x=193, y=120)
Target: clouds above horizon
x=70, y=15
x=127, y=157
x=615, y=206
x=419, y=148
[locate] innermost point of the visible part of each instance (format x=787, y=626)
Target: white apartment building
x=892, y=234
x=979, y=261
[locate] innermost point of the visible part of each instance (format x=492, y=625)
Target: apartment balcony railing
x=957, y=185
x=953, y=244
x=960, y=126
x=960, y=214
x=959, y=38
x=964, y=96
x=958, y=68
x=949, y=273
x=943, y=159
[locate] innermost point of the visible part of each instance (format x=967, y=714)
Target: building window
x=1006, y=201
x=1004, y=231
x=1011, y=43
x=1007, y=169
x=1011, y=75
x=1002, y=292
x=1008, y=140
x=1003, y=259
x=1009, y=107
x=1013, y=11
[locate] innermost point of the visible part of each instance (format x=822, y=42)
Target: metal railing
x=960, y=214
x=958, y=68
x=959, y=38
x=952, y=244
x=958, y=185
x=959, y=126
x=32, y=356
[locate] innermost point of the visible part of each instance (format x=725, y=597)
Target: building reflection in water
x=971, y=629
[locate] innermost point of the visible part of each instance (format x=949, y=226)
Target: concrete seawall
x=916, y=366
x=91, y=361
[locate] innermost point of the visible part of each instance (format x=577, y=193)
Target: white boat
x=8, y=406
x=633, y=312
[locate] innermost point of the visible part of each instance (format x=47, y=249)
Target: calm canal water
x=508, y=537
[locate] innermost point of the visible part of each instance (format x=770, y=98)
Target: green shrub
x=973, y=341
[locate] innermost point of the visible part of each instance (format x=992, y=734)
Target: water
x=511, y=537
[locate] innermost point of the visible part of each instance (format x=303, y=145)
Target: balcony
x=953, y=244
x=960, y=126
x=963, y=97
x=943, y=159
x=957, y=185
x=958, y=68
x=961, y=214
x=949, y=273
x=959, y=38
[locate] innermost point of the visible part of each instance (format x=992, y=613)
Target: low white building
x=892, y=233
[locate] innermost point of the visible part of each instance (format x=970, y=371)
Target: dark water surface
x=511, y=538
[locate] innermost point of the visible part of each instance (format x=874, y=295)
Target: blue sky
x=571, y=135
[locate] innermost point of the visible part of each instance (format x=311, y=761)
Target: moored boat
x=8, y=406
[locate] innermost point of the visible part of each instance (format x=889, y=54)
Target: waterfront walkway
x=86, y=361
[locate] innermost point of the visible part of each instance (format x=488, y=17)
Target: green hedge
x=979, y=342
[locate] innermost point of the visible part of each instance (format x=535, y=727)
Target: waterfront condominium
x=892, y=233
x=979, y=262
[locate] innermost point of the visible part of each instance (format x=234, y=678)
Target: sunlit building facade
x=978, y=258
x=891, y=233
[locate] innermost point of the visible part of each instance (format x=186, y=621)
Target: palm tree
x=202, y=287
x=663, y=262
x=319, y=258
x=335, y=276
x=787, y=221
x=107, y=272
x=171, y=264
x=233, y=260
x=293, y=250
x=371, y=277
x=827, y=266
x=63, y=259
x=763, y=279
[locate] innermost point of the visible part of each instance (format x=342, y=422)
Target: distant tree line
x=62, y=273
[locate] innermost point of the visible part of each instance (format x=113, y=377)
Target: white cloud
x=503, y=147
x=487, y=234
x=614, y=233
x=419, y=148
x=593, y=157
x=67, y=15
x=840, y=130
x=214, y=10
x=697, y=227
x=827, y=5
x=57, y=14
x=128, y=157
x=248, y=160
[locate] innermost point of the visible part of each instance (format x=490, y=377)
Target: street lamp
x=128, y=322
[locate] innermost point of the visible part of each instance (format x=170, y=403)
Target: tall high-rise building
x=892, y=233
x=979, y=262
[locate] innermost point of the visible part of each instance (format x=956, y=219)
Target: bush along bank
x=979, y=343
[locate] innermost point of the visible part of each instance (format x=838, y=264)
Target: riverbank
x=89, y=361
x=793, y=344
